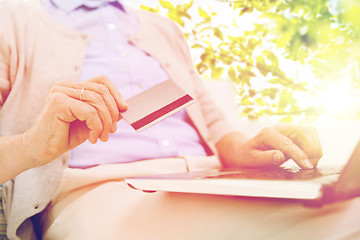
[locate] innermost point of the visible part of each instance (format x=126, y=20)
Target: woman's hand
x=75, y=112
x=272, y=147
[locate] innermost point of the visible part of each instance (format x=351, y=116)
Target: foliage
x=267, y=63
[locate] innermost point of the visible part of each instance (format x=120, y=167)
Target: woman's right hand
x=66, y=121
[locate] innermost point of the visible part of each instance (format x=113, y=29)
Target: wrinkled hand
x=66, y=121
x=272, y=147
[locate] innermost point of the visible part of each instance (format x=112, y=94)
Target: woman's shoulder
x=18, y=9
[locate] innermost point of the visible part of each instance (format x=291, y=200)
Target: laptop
x=313, y=187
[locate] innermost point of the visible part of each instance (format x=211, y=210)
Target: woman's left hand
x=272, y=147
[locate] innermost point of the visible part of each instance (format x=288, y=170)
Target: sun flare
x=339, y=99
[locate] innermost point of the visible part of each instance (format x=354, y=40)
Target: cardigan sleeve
x=5, y=85
x=5, y=52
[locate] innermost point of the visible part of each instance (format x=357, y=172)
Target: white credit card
x=155, y=104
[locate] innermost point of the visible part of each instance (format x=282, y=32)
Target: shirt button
x=125, y=54
x=165, y=142
x=111, y=26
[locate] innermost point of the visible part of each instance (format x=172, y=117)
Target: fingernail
x=92, y=138
x=125, y=104
x=113, y=128
x=278, y=158
x=308, y=164
x=104, y=138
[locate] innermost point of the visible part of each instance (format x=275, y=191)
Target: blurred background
x=287, y=60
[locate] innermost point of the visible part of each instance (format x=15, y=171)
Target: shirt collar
x=70, y=5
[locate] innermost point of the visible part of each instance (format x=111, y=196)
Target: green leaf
x=197, y=45
x=232, y=74
x=265, y=112
x=205, y=28
x=282, y=6
x=167, y=5
x=269, y=92
x=204, y=15
x=272, y=57
x=218, y=33
x=181, y=12
x=150, y=9
x=173, y=16
x=188, y=5
x=287, y=119
x=248, y=110
x=252, y=43
x=261, y=66
x=245, y=101
x=252, y=92
x=205, y=56
x=280, y=81
x=217, y=72
x=252, y=117
x=246, y=10
x=201, y=67
x=260, y=102
x=284, y=100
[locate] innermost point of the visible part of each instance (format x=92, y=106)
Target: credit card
x=155, y=104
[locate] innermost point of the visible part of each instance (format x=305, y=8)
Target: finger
x=108, y=99
x=94, y=100
x=121, y=103
x=315, y=155
x=83, y=112
x=271, y=138
x=105, y=94
x=260, y=158
x=97, y=102
x=306, y=138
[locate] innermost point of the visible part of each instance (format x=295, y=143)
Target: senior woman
x=49, y=108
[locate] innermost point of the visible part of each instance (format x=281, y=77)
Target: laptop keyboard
x=275, y=173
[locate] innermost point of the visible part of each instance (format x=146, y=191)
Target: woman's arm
x=73, y=113
x=16, y=156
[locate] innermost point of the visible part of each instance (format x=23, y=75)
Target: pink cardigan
x=36, y=52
